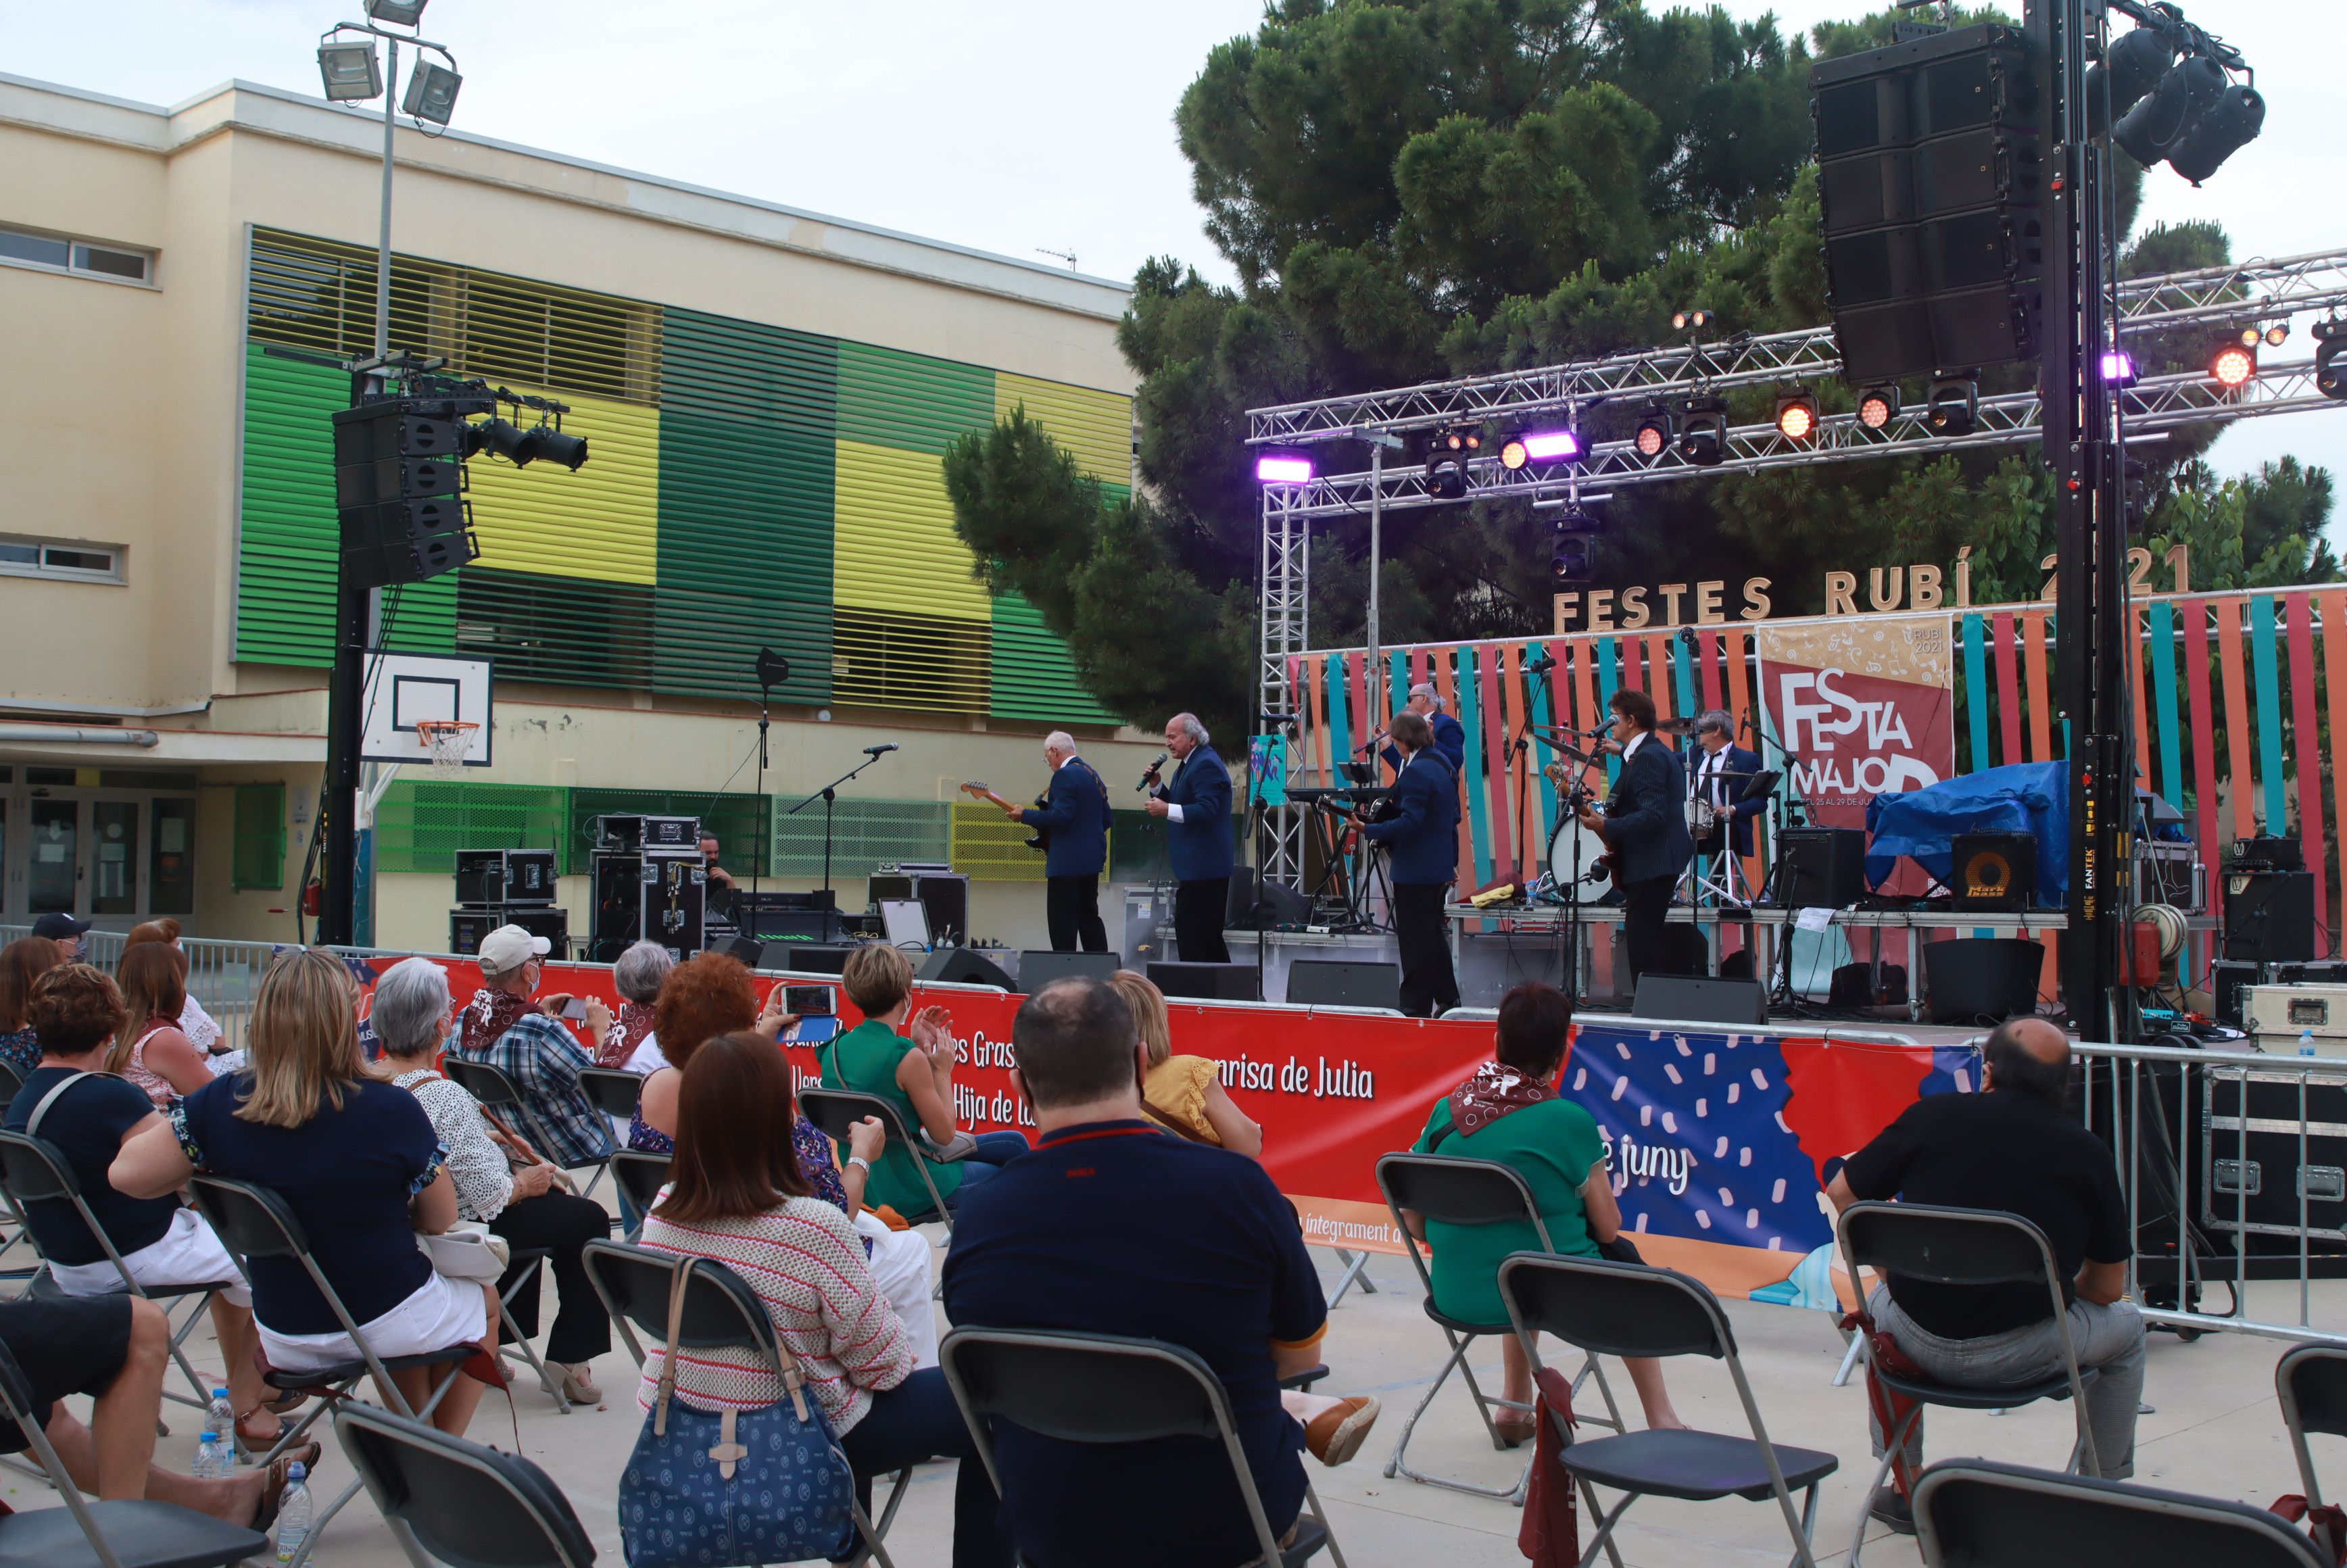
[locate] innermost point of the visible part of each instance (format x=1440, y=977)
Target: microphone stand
x=831, y=918
x=765, y=693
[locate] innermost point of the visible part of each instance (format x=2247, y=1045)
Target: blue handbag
x=736, y=1488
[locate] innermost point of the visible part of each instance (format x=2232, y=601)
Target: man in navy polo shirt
x=1109, y=1227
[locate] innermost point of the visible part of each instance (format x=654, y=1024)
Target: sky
x=1021, y=125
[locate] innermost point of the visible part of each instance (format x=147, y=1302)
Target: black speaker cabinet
x=1345, y=982
x=2228, y=983
x=960, y=966
x=808, y=957
x=1283, y=906
x=1212, y=982
x=1981, y=979
x=466, y=927
x=1822, y=868
x=1038, y=967
x=505, y=877
x=1995, y=871
x=2270, y=917
x=1695, y=999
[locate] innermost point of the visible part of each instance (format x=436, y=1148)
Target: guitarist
x=1073, y=819
x=1422, y=839
x=1645, y=832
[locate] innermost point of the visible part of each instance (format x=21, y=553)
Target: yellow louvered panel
x=601, y=522
x=893, y=545
x=1096, y=427
x=881, y=660
x=988, y=846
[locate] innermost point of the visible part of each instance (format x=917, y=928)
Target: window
x=74, y=563
x=52, y=253
x=259, y=861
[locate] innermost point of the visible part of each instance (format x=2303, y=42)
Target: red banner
x=1867, y=704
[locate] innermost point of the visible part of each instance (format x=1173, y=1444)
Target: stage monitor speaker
x=1210, y=982
x=1283, y=906
x=1982, y=979
x=2229, y=984
x=2270, y=917
x=1693, y=999
x=960, y=966
x=809, y=958
x=1822, y=868
x=1345, y=982
x=1995, y=871
x=1038, y=967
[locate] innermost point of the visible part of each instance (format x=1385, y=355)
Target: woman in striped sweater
x=737, y=1196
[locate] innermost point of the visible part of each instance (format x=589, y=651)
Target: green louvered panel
x=420, y=823
x=1033, y=675
x=865, y=835
x=421, y=617
x=739, y=821
x=285, y=559
x=910, y=401
x=561, y=631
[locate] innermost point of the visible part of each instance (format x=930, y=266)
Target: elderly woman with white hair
x=633, y=1043
x=500, y=1181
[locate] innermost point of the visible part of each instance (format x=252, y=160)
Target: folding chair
x=1959, y=1246
x=639, y=1177
x=12, y=1083
x=615, y=1092
x=1977, y=1513
x=1630, y=1309
x=496, y=1091
x=256, y=1222
x=721, y=1312
x=35, y=1170
x=91, y=1534
x=1101, y=1388
x=449, y=1501
x=512, y=1345
x=2310, y=1380
x=1455, y=1191
x=834, y=1111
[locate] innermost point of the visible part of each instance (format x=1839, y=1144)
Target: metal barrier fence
x=221, y=976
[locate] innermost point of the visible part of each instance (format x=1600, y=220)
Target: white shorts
x=443, y=1312
x=189, y=1254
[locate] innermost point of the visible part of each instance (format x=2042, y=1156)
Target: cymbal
x=1675, y=727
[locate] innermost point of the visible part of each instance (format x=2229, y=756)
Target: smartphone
x=811, y=1001
x=816, y=1029
x=575, y=1009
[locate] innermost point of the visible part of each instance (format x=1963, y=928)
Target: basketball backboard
x=403, y=690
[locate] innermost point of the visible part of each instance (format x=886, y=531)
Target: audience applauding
x=1183, y=1092
x=22, y=962
x=524, y=1043
x=633, y=1043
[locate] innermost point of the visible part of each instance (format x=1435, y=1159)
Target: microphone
x=1152, y=771
x=1541, y=665
x=876, y=750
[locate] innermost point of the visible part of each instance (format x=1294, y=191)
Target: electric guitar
x=1607, y=866
x=1042, y=839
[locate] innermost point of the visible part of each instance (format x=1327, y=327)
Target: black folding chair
x=1630, y=1309
x=90, y=1534
x=1453, y=1191
x=614, y=1091
x=256, y=1222
x=1101, y=1388
x=2310, y=1380
x=639, y=1177
x=11, y=1084
x=449, y=1501
x=834, y=1111
x=512, y=1345
x=1977, y=1513
x=721, y=1312
x=498, y=1093
x=1960, y=1246
x=35, y=1170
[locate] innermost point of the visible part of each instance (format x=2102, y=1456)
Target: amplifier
x=1995, y=871
x=2270, y=916
x=2266, y=853
x=616, y=832
x=1821, y=867
x=466, y=927
x=505, y=877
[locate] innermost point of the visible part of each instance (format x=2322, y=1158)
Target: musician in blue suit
x=1449, y=734
x=1075, y=813
x=1720, y=778
x=1196, y=807
x=1644, y=826
x=1421, y=840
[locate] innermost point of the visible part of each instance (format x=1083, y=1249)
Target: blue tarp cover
x=1922, y=823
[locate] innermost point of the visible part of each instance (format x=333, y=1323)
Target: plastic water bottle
x=293, y=1513
x=213, y=1458
x=2306, y=1042
x=221, y=1416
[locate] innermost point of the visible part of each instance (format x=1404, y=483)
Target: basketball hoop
x=447, y=740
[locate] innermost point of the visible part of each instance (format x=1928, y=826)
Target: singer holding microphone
x=1196, y=807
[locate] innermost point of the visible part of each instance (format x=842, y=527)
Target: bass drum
x=1562, y=852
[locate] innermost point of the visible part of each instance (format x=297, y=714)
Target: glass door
x=113, y=873
x=53, y=856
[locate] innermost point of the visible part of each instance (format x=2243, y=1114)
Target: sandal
x=1336, y=1434
x=272, y=1489
x=252, y=1443
x=1515, y=1433
x=578, y=1378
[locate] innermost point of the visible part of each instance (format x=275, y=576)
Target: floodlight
x=2134, y=65
x=431, y=93
x=2233, y=366
x=1703, y=437
x=2152, y=130
x=1878, y=406
x=1797, y=416
x=2331, y=347
x=398, y=13
x=1655, y=432
x=2223, y=128
x=2118, y=367
x=1283, y=468
x=2278, y=335
x=1538, y=446
x=1690, y=320
x=350, y=70
x=1954, y=405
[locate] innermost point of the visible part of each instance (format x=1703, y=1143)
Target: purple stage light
x=1283, y=468
x=1547, y=446
x=2119, y=366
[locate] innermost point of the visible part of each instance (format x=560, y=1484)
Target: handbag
x=737, y=1488
x=466, y=1250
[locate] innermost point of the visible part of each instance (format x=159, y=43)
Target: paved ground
x=2215, y=1429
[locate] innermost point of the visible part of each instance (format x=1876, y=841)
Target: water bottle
x=221, y=1416
x=213, y=1460
x=293, y=1513
x=2306, y=1042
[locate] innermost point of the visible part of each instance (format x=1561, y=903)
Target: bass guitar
x=1042, y=841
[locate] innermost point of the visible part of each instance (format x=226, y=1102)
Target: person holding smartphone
x=505, y=1029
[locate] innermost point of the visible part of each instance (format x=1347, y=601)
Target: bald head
x=2028, y=1056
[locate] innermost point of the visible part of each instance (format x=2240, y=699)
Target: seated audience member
x=117, y=1349
x=710, y=996
x=914, y=1075
x=22, y=962
x=530, y=1205
x=1183, y=1092
x=529, y=1046
x=78, y=1013
x=356, y=1162
x=67, y=931
x=1509, y=1111
x=1049, y=1244
x=738, y=1196
x=150, y=1051
x=2010, y=1147
x=203, y=1031
x=633, y=1043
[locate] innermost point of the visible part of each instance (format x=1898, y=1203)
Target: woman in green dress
x=1509, y=1111
x=916, y=1076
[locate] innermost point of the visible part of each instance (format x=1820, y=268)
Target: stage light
x=1797, y=416
x=350, y=70
x=2223, y=128
x=503, y=438
x=2154, y=129
x=431, y=93
x=559, y=446
x=1568, y=560
x=1703, y=437
x=2331, y=347
x=1690, y=320
x=1540, y=447
x=2278, y=335
x=1655, y=432
x=2118, y=367
x=398, y=13
x=2135, y=63
x=1954, y=405
x=1448, y=453
x=1878, y=406
x=2233, y=366
x=1283, y=468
